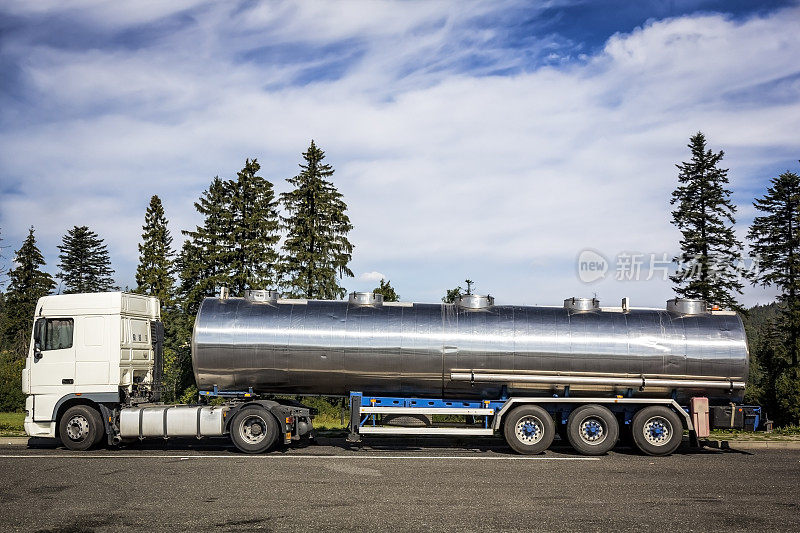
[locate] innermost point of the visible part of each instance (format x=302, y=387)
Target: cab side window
x=54, y=333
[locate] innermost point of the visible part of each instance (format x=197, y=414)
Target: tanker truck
x=588, y=373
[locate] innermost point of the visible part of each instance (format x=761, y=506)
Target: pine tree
x=385, y=288
x=710, y=251
x=205, y=258
x=316, y=249
x=203, y=264
x=254, y=221
x=154, y=273
x=84, y=262
x=27, y=283
x=775, y=240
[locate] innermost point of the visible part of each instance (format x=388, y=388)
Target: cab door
x=52, y=369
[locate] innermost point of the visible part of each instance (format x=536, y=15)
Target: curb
x=751, y=445
x=14, y=441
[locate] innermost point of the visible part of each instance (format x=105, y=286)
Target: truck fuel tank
x=172, y=421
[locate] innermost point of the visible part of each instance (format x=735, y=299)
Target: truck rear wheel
x=656, y=430
x=529, y=429
x=592, y=430
x=254, y=429
x=80, y=427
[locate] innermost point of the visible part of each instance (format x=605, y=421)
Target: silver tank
x=469, y=349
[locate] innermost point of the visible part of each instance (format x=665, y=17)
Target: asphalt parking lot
x=379, y=486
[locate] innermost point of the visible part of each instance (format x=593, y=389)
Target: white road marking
x=368, y=457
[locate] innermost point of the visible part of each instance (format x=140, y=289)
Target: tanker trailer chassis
x=529, y=424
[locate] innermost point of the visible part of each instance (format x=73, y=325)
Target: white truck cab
x=94, y=370
x=88, y=348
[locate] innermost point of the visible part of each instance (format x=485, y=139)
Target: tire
x=529, y=429
x=656, y=430
x=102, y=433
x=592, y=430
x=80, y=427
x=254, y=429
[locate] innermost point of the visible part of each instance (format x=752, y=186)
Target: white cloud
x=371, y=276
x=447, y=174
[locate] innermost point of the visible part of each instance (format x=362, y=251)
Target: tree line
x=238, y=245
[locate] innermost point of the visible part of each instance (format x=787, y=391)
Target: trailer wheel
x=80, y=427
x=254, y=429
x=656, y=430
x=529, y=429
x=592, y=430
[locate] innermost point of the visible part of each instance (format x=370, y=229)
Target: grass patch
x=11, y=424
x=785, y=433
x=325, y=421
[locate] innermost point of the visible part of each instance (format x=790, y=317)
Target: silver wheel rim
x=593, y=430
x=77, y=428
x=657, y=431
x=253, y=429
x=529, y=430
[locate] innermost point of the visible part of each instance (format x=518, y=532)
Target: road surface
x=424, y=486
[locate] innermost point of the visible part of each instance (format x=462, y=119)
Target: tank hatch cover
x=686, y=306
x=475, y=301
x=582, y=304
x=261, y=295
x=366, y=298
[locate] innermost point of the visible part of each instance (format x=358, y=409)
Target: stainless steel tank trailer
x=468, y=368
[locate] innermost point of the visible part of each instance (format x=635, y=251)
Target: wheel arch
x=267, y=405
x=92, y=400
x=550, y=403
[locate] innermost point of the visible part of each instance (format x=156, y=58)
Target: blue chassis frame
x=399, y=401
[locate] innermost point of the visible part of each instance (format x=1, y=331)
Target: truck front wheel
x=80, y=427
x=529, y=429
x=254, y=429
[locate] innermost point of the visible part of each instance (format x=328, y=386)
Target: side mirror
x=37, y=351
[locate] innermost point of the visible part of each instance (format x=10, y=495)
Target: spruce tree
x=385, y=288
x=84, y=262
x=254, y=221
x=316, y=251
x=27, y=283
x=204, y=262
x=203, y=265
x=710, y=252
x=154, y=273
x=775, y=241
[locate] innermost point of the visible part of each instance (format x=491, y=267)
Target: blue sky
x=489, y=140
